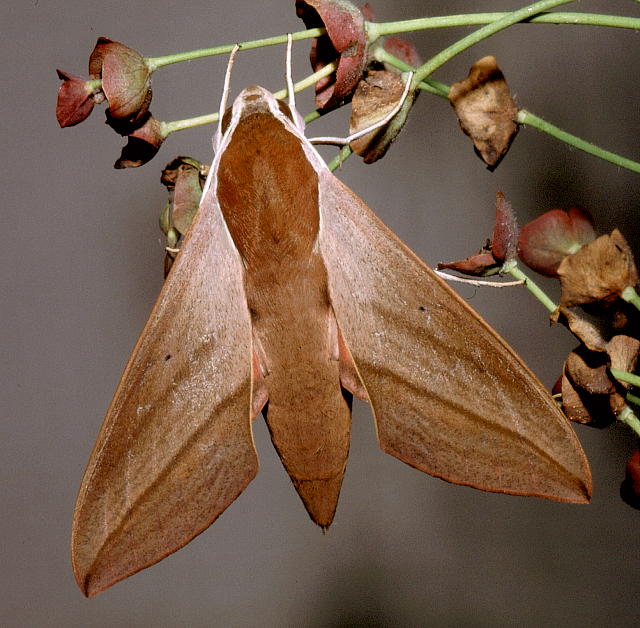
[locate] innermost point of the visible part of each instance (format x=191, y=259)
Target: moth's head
x=256, y=99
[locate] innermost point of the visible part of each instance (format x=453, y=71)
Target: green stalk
x=627, y=378
x=509, y=19
x=628, y=417
x=153, y=63
x=515, y=271
x=340, y=158
x=525, y=117
x=473, y=19
x=630, y=295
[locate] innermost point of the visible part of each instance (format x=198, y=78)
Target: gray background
x=82, y=262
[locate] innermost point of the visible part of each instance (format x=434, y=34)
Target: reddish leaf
x=402, y=49
x=547, y=240
x=480, y=265
x=142, y=145
x=75, y=99
x=346, y=41
x=126, y=79
x=486, y=110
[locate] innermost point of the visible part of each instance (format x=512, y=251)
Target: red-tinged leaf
x=599, y=271
x=479, y=265
x=346, y=42
x=486, y=110
x=75, y=99
x=547, y=240
x=126, y=79
x=505, y=232
x=402, y=49
x=142, y=145
x=630, y=487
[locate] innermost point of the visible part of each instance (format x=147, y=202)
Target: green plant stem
x=376, y=30
x=188, y=123
x=477, y=36
x=627, y=378
x=531, y=286
x=630, y=295
x=153, y=63
x=632, y=399
x=628, y=417
x=473, y=19
x=340, y=158
x=526, y=117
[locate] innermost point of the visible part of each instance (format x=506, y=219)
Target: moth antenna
x=342, y=141
x=291, y=93
x=225, y=96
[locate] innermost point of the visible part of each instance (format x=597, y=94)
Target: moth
x=287, y=297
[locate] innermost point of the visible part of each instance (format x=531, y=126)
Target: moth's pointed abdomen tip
x=320, y=498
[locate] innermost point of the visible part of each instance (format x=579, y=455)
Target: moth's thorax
x=267, y=189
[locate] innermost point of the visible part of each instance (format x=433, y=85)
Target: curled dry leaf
x=378, y=92
x=481, y=264
x=126, y=79
x=486, y=110
x=76, y=98
x=376, y=95
x=630, y=487
x=500, y=249
x=142, y=144
x=623, y=353
x=589, y=395
x=345, y=41
x=547, y=240
x=599, y=271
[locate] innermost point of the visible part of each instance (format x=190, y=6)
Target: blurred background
x=82, y=261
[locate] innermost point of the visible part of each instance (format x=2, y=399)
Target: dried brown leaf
x=486, y=110
x=599, y=271
x=376, y=95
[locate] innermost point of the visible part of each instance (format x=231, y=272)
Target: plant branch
x=153, y=63
x=473, y=19
x=630, y=295
x=482, y=33
x=515, y=271
x=526, y=117
x=628, y=417
x=627, y=378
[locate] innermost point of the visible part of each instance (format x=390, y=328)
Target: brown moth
x=287, y=296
